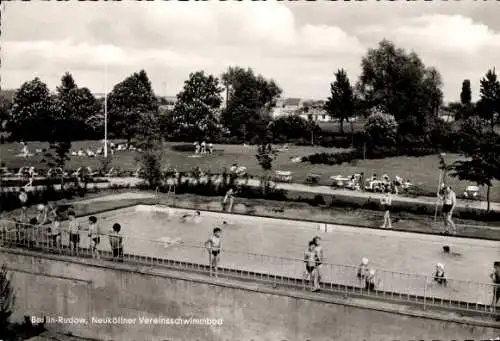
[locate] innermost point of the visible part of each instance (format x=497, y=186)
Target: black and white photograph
x=249, y=170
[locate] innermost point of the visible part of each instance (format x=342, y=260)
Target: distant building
x=286, y=107
x=306, y=109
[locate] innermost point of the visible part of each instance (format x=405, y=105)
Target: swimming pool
x=157, y=231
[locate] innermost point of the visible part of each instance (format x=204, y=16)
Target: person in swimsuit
x=439, y=275
x=213, y=245
x=116, y=242
x=386, y=202
x=495, y=276
x=190, y=216
x=23, y=198
x=311, y=260
x=228, y=201
x=74, y=232
x=319, y=252
x=449, y=202
x=55, y=233
x=363, y=269
x=371, y=281
x=95, y=236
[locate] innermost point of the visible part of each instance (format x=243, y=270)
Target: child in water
x=439, y=275
x=363, y=269
x=190, y=216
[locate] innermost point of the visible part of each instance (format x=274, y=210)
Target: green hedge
x=375, y=153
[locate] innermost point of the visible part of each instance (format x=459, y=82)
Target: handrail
x=425, y=298
x=200, y=245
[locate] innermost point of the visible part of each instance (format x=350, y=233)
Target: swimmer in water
x=213, y=245
x=190, y=216
x=446, y=250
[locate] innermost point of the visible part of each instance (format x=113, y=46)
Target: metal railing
x=421, y=290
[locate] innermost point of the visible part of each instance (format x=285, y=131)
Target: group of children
x=48, y=224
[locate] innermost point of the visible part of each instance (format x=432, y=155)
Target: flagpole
x=106, y=110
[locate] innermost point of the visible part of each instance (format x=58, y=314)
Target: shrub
x=381, y=129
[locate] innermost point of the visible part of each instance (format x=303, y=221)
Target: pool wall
x=50, y=285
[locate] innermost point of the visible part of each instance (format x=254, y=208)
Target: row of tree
x=392, y=81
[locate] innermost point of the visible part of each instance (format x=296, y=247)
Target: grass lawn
x=334, y=127
x=422, y=171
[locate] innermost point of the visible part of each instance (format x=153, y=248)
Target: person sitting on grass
x=439, y=275
x=116, y=242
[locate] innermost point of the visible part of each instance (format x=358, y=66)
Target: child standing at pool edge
x=74, y=232
x=213, y=245
x=95, y=236
x=116, y=242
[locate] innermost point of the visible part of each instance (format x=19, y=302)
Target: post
x=437, y=194
x=425, y=291
x=106, y=110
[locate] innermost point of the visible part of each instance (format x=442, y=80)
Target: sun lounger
x=283, y=176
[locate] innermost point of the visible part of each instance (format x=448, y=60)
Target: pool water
x=256, y=243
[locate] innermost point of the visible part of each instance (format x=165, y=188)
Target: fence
x=278, y=271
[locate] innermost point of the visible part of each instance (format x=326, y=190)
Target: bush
x=381, y=129
x=10, y=201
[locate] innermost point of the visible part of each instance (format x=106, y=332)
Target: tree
x=7, y=300
x=400, y=85
x=291, y=127
x=32, y=113
x=194, y=114
x=148, y=140
x=488, y=106
x=341, y=103
x=483, y=161
x=127, y=102
x=5, y=107
x=251, y=98
x=76, y=106
x=265, y=157
x=466, y=94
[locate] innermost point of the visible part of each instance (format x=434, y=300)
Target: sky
x=298, y=44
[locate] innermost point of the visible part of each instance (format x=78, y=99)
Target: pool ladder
x=170, y=194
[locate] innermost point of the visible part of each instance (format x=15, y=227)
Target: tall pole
x=106, y=110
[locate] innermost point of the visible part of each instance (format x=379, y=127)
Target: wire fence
x=422, y=290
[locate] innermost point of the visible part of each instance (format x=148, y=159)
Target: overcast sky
x=299, y=44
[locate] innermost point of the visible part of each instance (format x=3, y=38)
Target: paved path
x=326, y=190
